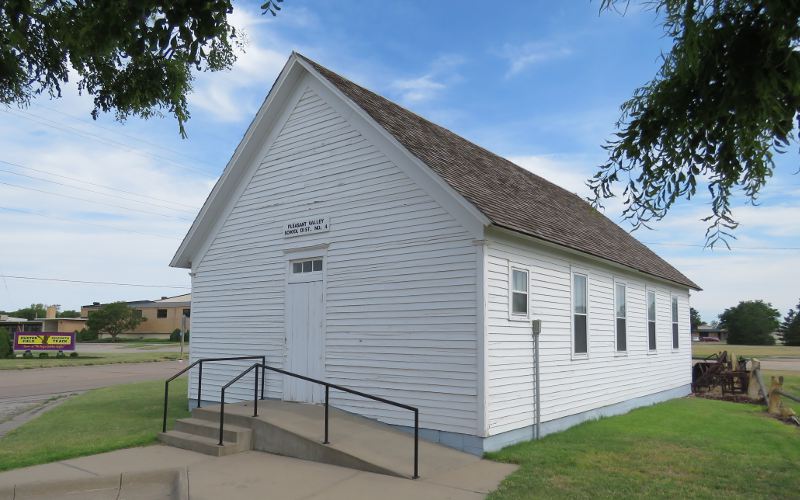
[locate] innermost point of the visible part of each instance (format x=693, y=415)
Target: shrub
x=60, y=354
x=175, y=336
x=27, y=354
x=6, y=345
x=86, y=335
x=44, y=355
x=73, y=354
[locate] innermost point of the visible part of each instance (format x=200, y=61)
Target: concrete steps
x=202, y=435
x=297, y=430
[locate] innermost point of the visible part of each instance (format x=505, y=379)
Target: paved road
x=16, y=384
x=126, y=348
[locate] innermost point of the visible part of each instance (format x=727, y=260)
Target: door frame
x=303, y=253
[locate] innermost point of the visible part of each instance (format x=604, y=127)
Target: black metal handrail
x=328, y=386
x=255, y=397
x=200, y=379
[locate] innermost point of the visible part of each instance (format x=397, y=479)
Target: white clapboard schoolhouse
x=351, y=240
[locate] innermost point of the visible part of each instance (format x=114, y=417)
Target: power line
x=50, y=216
x=93, y=191
x=94, y=201
x=124, y=134
x=48, y=172
x=89, y=135
x=61, y=280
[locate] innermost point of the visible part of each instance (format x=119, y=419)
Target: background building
x=162, y=316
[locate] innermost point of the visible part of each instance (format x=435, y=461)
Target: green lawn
x=703, y=349
x=683, y=448
x=93, y=359
x=94, y=422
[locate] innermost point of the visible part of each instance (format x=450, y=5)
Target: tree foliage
x=69, y=314
x=750, y=322
x=723, y=103
x=694, y=318
x=790, y=328
x=134, y=58
x=113, y=319
x=6, y=344
x=30, y=313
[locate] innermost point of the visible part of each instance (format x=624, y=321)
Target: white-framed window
x=675, y=329
x=518, y=300
x=580, y=314
x=620, y=312
x=651, y=320
x=307, y=266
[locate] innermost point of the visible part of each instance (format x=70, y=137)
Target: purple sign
x=44, y=341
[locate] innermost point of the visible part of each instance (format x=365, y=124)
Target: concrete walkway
x=260, y=475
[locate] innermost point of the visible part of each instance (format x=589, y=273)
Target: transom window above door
x=307, y=266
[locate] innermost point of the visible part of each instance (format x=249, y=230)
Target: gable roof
x=510, y=196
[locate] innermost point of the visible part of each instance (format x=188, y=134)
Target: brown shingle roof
x=510, y=196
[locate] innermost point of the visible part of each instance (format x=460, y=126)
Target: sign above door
x=310, y=225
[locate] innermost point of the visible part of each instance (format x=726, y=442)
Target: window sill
x=519, y=319
x=652, y=352
x=620, y=354
x=580, y=356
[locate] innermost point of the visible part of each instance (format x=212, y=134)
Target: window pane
x=674, y=335
x=651, y=334
x=318, y=265
x=580, y=334
x=620, y=301
x=621, y=335
x=297, y=267
x=520, y=279
x=519, y=303
x=674, y=309
x=307, y=266
x=651, y=306
x=579, y=292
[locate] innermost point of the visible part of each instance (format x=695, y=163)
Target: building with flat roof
x=161, y=317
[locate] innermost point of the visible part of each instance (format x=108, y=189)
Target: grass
x=94, y=359
x=685, y=448
x=94, y=422
x=129, y=341
x=703, y=349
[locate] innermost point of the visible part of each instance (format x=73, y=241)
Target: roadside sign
x=44, y=341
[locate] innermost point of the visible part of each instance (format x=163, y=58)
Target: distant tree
x=113, y=319
x=133, y=58
x=6, y=344
x=30, y=313
x=69, y=314
x=751, y=322
x=790, y=328
x=723, y=103
x=694, y=318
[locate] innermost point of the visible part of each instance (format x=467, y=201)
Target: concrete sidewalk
x=261, y=475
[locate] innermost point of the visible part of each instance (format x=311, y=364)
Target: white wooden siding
x=569, y=384
x=400, y=276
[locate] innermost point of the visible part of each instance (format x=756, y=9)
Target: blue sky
x=537, y=82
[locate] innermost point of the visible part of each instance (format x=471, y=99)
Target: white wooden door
x=304, y=337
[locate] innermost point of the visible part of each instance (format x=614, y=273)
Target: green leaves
x=134, y=58
x=723, y=102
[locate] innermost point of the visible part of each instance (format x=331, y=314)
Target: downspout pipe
x=536, y=328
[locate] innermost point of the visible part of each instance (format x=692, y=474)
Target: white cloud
x=234, y=95
x=442, y=74
x=521, y=57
